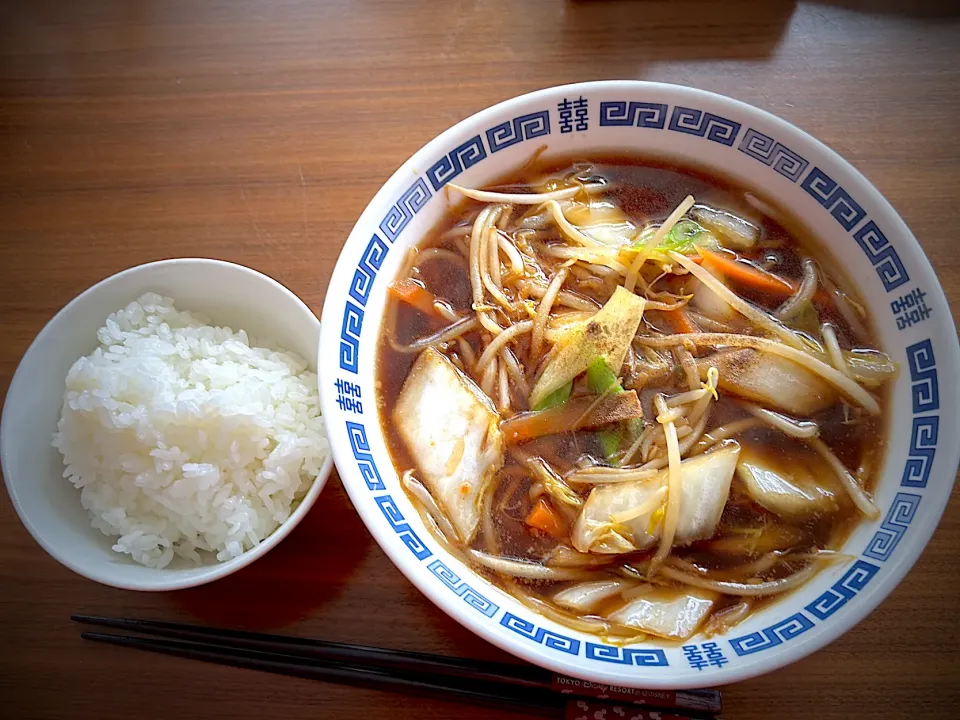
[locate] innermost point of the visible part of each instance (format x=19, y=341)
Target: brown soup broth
x=647, y=190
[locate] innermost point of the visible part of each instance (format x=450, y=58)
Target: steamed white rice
x=183, y=438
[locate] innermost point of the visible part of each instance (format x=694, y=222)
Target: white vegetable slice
x=771, y=380
x=712, y=305
x=705, y=480
x=453, y=434
x=733, y=232
x=669, y=613
x=602, y=221
x=586, y=597
x=791, y=493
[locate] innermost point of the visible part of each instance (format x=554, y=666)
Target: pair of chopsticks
x=479, y=681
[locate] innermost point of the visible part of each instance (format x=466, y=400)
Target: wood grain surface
x=257, y=130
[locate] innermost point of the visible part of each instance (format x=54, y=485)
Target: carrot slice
x=681, y=321
x=747, y=274
x=414, y=294
x=544, y=518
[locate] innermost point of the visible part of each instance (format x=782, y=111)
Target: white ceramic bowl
x=47, y=503
x=786, y=166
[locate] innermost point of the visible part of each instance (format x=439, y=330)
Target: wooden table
x=256, y=131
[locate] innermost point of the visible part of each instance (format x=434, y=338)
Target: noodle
x=500, y=341
x=564, y=297
x=484, y=220
x=513, y=255
x=460, y=327
x=526, y=198
x=833, y=350
x=504, y=403
x=466, y=351
x=489, y=256
x=569, y=230
x=543, y=311
x=493, y=256
x=784, y=424
x=689, y=366
x=515, y=371
x=803, y=295
x=666, y=417
x=859, y=496
x=759, y=589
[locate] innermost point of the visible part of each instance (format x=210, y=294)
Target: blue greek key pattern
x=524, y=127
x=925, y=391
x=882, y=255
x=460, y=158
x=644, y=657
x=460, y=588
x=826, y=191
x=634, y=114
x=893, y=527
x=703, y=124
x=409, y=204
x=923, y=448
x=773, y=154
x=350, y=337
x=399, y=524
x=772, y=636
x=539, y=635
x=923, y=377
x=367, y=268
x=361, y=453
x=842, y=591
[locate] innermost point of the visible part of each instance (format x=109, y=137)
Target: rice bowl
x=185, y=438
x=49, y=505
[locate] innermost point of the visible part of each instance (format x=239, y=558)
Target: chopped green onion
x=609, y=440
x=684, y=237
x=601, y=378
x=557, y=398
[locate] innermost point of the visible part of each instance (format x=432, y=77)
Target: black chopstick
x=363, y=655
x=469, y=679
x=483, y=693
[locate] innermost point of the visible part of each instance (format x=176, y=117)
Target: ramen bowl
x=838, y=206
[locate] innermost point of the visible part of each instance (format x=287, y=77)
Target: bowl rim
x=212, y=572
x=826, y=631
